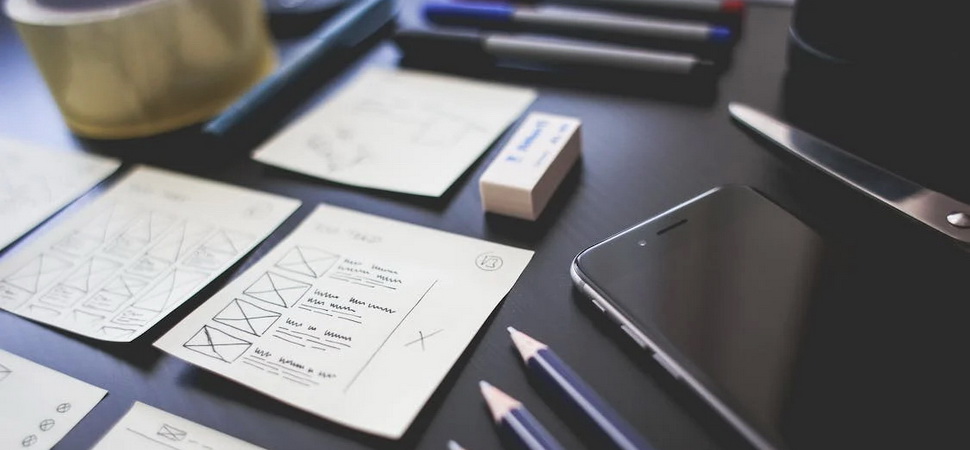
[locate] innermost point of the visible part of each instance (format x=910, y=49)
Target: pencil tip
x=525, y=344
x=499, y=403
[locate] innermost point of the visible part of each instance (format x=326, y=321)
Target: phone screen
x=755, y=306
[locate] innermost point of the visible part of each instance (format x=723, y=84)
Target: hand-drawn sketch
x=39, y=273
x=277, y=290
x=36, y=182
x=38, y=406
x=84, y=319
x=131, y=256
x=398, y=130
x=80, y=283
x=217, y=344
x=171, y=433
x=247, y=317
x=337, y=150
x=46, y=424
x=4, y=372
x=110, y=333
x=144, y=230
x=308, y=261
x=145, y=427
x=380, y=325
x=116, y=293
x=185, y=237
x=223, y=246
x=85, y=239
x=421, y=338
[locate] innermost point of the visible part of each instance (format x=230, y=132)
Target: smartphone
x=747, y=305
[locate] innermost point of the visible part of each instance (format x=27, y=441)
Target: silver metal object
x=959, y=219
x=935, y=210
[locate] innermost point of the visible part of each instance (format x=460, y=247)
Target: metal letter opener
x=935, y=210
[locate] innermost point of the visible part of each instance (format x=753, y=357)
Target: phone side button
x=598, y=306
x=636, y=337
x=666, y=365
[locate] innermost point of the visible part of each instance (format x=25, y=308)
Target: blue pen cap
x=468, y=12
x=720, y=34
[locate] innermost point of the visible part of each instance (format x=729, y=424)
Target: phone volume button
x=666, y=365
x=635, y=336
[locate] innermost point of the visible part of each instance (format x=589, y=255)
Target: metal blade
x=935, y=210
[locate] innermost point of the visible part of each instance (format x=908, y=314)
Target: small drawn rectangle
x=171, y=433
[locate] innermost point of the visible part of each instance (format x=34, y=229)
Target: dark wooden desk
x=643, y=153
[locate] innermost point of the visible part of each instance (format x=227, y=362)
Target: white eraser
x=527, y=171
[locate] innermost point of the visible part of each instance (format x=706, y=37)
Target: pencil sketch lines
x=277, y=290
x=4, y=372
x=142, y=231
x=337, y=149
x=38, y=273
x=145, y=436
x=114, y=333
x=308, y=261
x=91, y=273
x=173, y=286
x=115, y=293
x=217, y=344
x=247, y=317
x=177, y=243
x=86, y=319
x=85, y=240
x=171, y=433
x=422, y=337
x=219, y=249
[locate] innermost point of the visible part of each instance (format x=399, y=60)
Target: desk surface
x=643, y=153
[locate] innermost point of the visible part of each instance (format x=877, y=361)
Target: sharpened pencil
x=544, y=364
x=517, y=422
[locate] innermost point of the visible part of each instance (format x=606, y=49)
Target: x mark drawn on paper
x=171, y=433
x=422, y=337
x=277, y=290
x=308, y=261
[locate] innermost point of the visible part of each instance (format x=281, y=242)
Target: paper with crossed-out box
x=352, y=317
x=39, y=406
x=122, y=262
x=36, y=182
x=148, y=428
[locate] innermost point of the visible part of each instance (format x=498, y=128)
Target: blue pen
x=575, y=21
x=544, y=364
x=348, y=28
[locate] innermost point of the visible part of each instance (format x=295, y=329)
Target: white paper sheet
x=137, y=252
x=36, y=182
x=148, y=428
x=352, y=317
x=398, y=130
x=38, y=406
